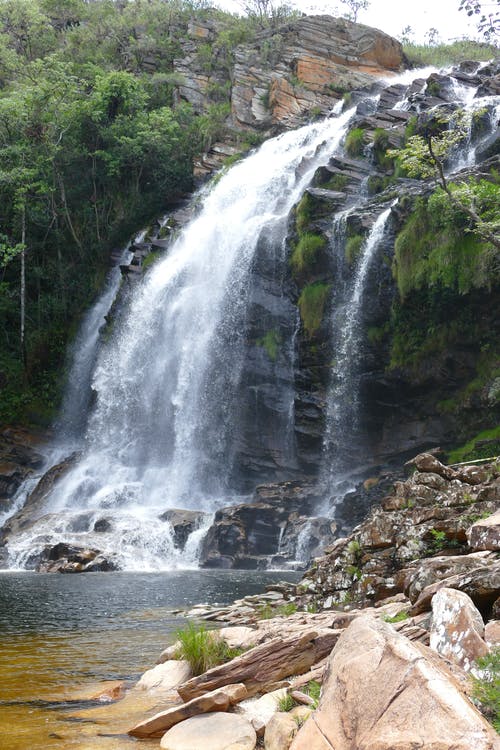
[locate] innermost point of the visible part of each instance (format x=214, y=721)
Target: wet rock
x=457, y=628
x=183, y=523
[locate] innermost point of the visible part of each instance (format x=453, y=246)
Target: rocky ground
x=389, y=621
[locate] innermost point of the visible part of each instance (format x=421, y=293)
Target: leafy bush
x=486, y=689
x=202, y=648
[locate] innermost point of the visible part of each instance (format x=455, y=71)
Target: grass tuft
x=202, y=648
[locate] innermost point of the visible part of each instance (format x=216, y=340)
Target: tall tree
x=488, y=16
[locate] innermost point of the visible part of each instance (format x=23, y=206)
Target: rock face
x=267, y=530
x=19, y=457
x=310, y=62
x=415, y=543
x=380, y=691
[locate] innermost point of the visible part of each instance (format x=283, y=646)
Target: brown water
x=65, y=638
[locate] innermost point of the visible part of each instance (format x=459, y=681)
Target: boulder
x=382, y=692
x=481, y=584
x=457, y=628
x=218, y=731
x=280, y=731
x=492, y=634
x=166, y=676
x=262, y=708
x=485, y=533
x=433, y=569
x=264, y=665
x=217, y=700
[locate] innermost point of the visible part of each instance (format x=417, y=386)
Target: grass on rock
x=202, y=648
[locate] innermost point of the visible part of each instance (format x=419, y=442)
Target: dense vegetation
x=91, y=148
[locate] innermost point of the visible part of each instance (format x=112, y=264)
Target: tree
x=424, y=156
x=407, y=35
x=354, y=7
x=488, y=21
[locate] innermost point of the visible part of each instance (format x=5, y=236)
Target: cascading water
x=161, y=432
x=342, y=416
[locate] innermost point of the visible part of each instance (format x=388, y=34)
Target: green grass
x=486, y=690
x=267, y=611
x=353, y=248
x=285, y=703
x=311, y=304
x=313, y=690
x=306, y=252
x=403, y=615
x=202, y=648
x=469, y=451
x=420, y=55
x=355, y=142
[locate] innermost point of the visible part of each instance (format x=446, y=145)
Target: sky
x=392, y=16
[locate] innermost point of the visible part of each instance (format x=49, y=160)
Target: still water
x=62, y=637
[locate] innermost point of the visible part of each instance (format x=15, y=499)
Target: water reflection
x=61, y=637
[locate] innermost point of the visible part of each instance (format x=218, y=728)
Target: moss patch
x=483, y=445
x=355, y=142
x=306, y=252
x=271, y=342
x=311, y=304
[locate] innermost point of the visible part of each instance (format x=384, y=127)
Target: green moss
x=311, y=304
x=473, y=450
x=303, y=212
x=435, y=248
x=306, y=252
x=355, y=142
x=381, y=143
x=400, y=617
x=353, y=248
x=271, y=342
x=337, y=182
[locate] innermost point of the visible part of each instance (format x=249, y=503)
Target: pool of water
x=63, y=636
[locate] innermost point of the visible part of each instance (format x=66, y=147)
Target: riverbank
x=394, y=648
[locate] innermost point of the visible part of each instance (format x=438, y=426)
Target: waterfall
x=342, y=415
x=161, y=431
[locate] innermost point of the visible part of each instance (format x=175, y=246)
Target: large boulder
x=382, y=692
x=457, y=628
x=485, y=533
x=218, y=731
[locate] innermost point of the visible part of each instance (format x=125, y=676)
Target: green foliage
x=337, y=182
x=306, y=252
x=285, y=703
x=271, y=343
x=313, y=690
x=435, y=248
x=403, y=615
x=203, y=648
x=483, y=445
x=355, y=142
x=439, y=55
x=353, y=248
x=311, y=304
x=267, y=611
x=303, y=213
x=486, y=689
x=381, y=144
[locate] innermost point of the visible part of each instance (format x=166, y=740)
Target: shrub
x=203, y=648
x=486, y=689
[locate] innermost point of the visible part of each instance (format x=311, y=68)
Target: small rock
x=165, y=676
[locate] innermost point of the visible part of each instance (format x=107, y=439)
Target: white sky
x=392, y=16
